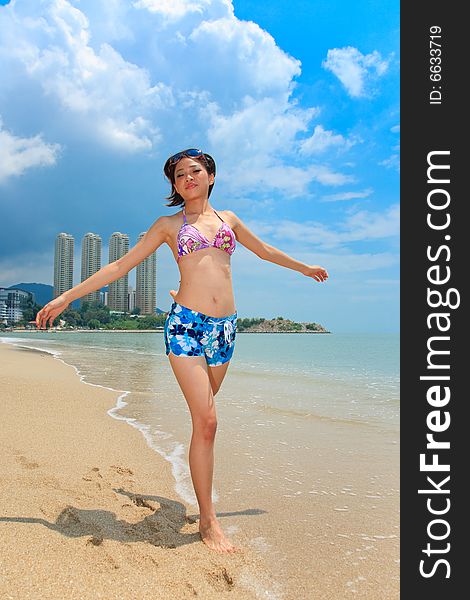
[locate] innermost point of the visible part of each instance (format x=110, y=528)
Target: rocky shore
x=282, y=326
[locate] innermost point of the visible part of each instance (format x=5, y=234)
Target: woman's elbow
x=265, y=252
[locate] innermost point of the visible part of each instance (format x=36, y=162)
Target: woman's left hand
x=318, y=273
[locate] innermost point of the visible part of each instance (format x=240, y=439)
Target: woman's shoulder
x=174, y=221
x=229, y=217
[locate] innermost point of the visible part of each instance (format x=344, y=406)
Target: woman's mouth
x=190, y=185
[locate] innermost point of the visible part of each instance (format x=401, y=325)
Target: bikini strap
x=219, y=216
x=184, y=217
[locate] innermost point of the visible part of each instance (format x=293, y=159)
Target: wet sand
x=87, y=509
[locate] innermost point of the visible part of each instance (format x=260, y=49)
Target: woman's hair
x=206, y=161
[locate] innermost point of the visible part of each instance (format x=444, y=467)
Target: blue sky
x=298, y=102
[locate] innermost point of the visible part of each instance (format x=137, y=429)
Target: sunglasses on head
x=189, y=153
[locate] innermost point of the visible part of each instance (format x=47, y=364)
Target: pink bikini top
x=191, y=239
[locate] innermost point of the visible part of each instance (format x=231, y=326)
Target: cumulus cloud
x=322, y=140
x=110, y=96
x=176, y=9
x=354, y=69
x=252, y=141
x=19, y=154
x=137, y=76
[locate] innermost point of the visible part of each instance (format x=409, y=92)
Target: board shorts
x=191, y=333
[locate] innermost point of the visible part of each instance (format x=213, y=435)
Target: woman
x=200, y=328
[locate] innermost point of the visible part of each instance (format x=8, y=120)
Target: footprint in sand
x=220, y=579
x=95, y=540
x=24, y=462
x=92, y=475
x=139, y=501
x=122, y=470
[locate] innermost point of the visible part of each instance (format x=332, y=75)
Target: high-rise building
x=131, y=298
x=146, y=283
x=117, y=290
x=63, y=264
x=12, y=303
x=91, y=262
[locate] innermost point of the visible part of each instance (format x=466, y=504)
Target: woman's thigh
x=216, y=376
x=192, y=375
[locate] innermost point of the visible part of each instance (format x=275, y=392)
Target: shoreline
x=134, y=331
x=88, y=508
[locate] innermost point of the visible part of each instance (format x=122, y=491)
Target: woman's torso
x=206, y=276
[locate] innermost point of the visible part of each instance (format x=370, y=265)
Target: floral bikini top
x=191, y=239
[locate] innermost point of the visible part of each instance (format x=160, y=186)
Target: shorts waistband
x=235, y=314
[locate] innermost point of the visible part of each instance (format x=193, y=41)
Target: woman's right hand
x=50, y=311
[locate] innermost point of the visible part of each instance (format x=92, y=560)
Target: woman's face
x=191, y=179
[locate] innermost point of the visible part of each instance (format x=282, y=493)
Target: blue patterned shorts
x=191, y=333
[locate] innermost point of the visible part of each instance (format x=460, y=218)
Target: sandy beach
x=87, y=508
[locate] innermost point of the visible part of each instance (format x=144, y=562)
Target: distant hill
x=43, y=293
x=279, y=325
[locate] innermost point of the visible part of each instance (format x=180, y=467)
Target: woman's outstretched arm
x=153, y=238
x=270, y=253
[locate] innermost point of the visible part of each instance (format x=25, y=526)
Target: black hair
x=207, y=162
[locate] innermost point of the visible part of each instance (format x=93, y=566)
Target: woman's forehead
x=186, y=162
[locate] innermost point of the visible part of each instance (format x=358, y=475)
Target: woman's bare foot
x=213, y=536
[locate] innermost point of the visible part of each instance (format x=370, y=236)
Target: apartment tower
x=63, y=264
x=91, y=262
x=146, y=283
x=117, y=295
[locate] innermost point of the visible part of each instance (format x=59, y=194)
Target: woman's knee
x=205, y=427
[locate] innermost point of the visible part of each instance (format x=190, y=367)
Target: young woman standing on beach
x=200, y=328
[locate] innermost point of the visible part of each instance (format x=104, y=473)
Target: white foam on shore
x=179, y=466
x=262, y=585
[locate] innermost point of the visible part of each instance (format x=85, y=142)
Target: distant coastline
x=156, y=330
x=278, y=325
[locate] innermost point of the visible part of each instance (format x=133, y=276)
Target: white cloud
x=347, y=195
x=357, y=227
x=252, y=142
x=19, y=154
x=136, y=76
x=365, y=225
x=392, y=162
x=395, y=129
x=322, y=139
x=176, y=9
x=257, y=65
x=354, y=69
x=349, y=262
x=341, y=261
x=111, y=96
